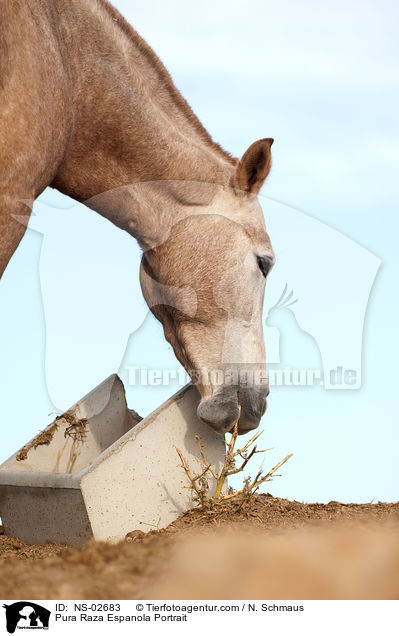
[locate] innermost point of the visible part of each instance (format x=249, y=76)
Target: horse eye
x=264, y=265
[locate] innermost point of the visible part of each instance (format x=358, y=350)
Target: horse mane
x=166, y=79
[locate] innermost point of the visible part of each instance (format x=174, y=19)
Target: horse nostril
x=219, y=412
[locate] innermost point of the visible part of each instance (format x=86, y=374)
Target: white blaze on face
x=240, y=289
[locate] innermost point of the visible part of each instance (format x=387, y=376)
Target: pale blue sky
x=322, y=80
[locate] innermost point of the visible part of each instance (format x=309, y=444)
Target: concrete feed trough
x=98, y=471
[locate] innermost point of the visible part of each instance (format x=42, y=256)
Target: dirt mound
x=270, y=548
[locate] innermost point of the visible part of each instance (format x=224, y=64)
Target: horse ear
x=254, y=166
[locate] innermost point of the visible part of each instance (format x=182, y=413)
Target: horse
x=88, y=108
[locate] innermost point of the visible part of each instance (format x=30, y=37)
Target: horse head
x=205, y=282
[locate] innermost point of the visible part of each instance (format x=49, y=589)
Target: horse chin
x=253, y=407
x=246, y=423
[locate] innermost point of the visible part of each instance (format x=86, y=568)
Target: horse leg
x=14, y=217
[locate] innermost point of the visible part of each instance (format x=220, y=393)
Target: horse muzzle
x=222, y=410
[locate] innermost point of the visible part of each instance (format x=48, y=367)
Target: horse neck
x=131, y=125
